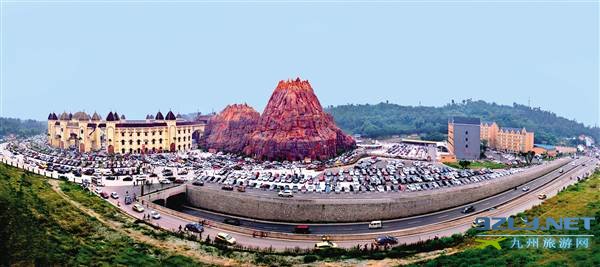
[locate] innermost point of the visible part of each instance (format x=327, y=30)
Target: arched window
x=123, y=143
x=131, y=142
x=139, y=142
x=178, y=139
x=153, y=141
x=179, y=147
x=160, y=141
x=123, y=151
x=130, y=150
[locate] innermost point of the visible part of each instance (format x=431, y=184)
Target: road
x=408, y=230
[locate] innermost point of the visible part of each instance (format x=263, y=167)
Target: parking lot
x=236, y=173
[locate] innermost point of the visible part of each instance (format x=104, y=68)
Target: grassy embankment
x=579, y=200
x=39, y=227
x=479, y=165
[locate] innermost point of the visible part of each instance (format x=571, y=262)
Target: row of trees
x=21, y=128
x=385, y=119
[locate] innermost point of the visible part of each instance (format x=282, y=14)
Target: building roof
x=110, y=116
x=547, y=147
x=96, y=117
x=64, y=116
x=82, y=116
x=159, y=116
x=122, y=117
x=52, y=116
x=465, y=120
x=511, y=129
x=170, y=116
x=116, y=115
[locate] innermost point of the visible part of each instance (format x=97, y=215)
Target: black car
x=128, y=179
x=232, y=221
x=112, y=178
x=194, y=227
x=468, y=209
x=386, y=240
x=198, y=183
x=77, y=173
x=227, y=188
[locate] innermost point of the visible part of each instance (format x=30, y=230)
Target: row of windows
x=154, y=132
x=153, y=150
x=160, y=140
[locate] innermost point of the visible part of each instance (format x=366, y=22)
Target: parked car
x=325, y=245
x=227, y=187
x=194, y=227
x=241, y=188
x=104, y=195
x=114, y=195
x=542, y=196
x=375, y=225
x=225, y=238
x=198, y=183
x=138, y=208
x=155, y=215
x=285, y=193
x=386, y=240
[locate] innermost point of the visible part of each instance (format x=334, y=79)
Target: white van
x=375, y=225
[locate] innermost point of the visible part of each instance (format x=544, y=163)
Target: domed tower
x=111, y=122
x=171, y=121
x=52, y=129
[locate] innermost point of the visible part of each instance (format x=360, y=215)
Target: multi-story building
x=507, y=139
x=463, y=137
x=118, y=135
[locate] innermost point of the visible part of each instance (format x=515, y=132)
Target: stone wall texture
x=386, y=206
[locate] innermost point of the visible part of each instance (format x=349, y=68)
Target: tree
x=483, y=147
x=464, y=163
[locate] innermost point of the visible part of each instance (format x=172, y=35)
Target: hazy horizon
x=138, y=58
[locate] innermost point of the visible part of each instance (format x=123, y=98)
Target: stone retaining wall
x=384, y=206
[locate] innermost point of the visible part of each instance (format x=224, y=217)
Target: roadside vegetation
x=477, y=165
x=38, y=227
x=579, y=200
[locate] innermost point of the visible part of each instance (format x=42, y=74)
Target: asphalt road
x=391, y=225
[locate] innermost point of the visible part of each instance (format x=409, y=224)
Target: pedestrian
x=180, y=228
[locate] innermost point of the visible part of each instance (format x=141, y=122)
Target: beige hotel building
x=116, y=134
x=507, y=139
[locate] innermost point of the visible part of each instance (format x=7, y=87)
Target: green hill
x=386, y=119
x=21, y=128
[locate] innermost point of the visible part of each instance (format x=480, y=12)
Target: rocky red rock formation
x=294, y=126
x=229, y=130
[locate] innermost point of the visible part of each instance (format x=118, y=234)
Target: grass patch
x=39, y=227
x=579, y=200
x=479, y=165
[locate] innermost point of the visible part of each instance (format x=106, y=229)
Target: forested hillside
x=22, y=128
x=386, y=119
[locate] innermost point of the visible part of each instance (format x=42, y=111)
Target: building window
x=467, y=145
x=153, y=133
x=153, y=141
x=467, y=132
x=145, y=133
x=159, y=132
x=139, y=142
x=178, y=131
x=160, y=141
x=123, y=151
x=123, y=143
x=130, y=150
x=123, y=134
x=178, y=139
x=131, y=142
x=466, y=139
x=138, y=133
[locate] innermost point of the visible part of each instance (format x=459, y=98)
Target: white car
x=98, y=190
x=164, y=181
x=225, y=238
x=525, y=188
x=285, y=193
x=155, y=215
x=114, y=195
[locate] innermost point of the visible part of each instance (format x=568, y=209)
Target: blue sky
x=137, y=58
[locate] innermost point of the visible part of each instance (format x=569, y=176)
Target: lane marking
x=414, y=222
x=443, y=216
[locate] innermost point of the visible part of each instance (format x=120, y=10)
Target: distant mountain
x=21, y=128
x=431, y=123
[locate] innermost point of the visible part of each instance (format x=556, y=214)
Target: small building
x=540, y=149
x=464, y=137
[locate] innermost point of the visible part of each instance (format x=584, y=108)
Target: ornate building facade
x=507, y=139
x=116, y=134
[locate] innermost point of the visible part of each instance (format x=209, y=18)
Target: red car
x=104, y=195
